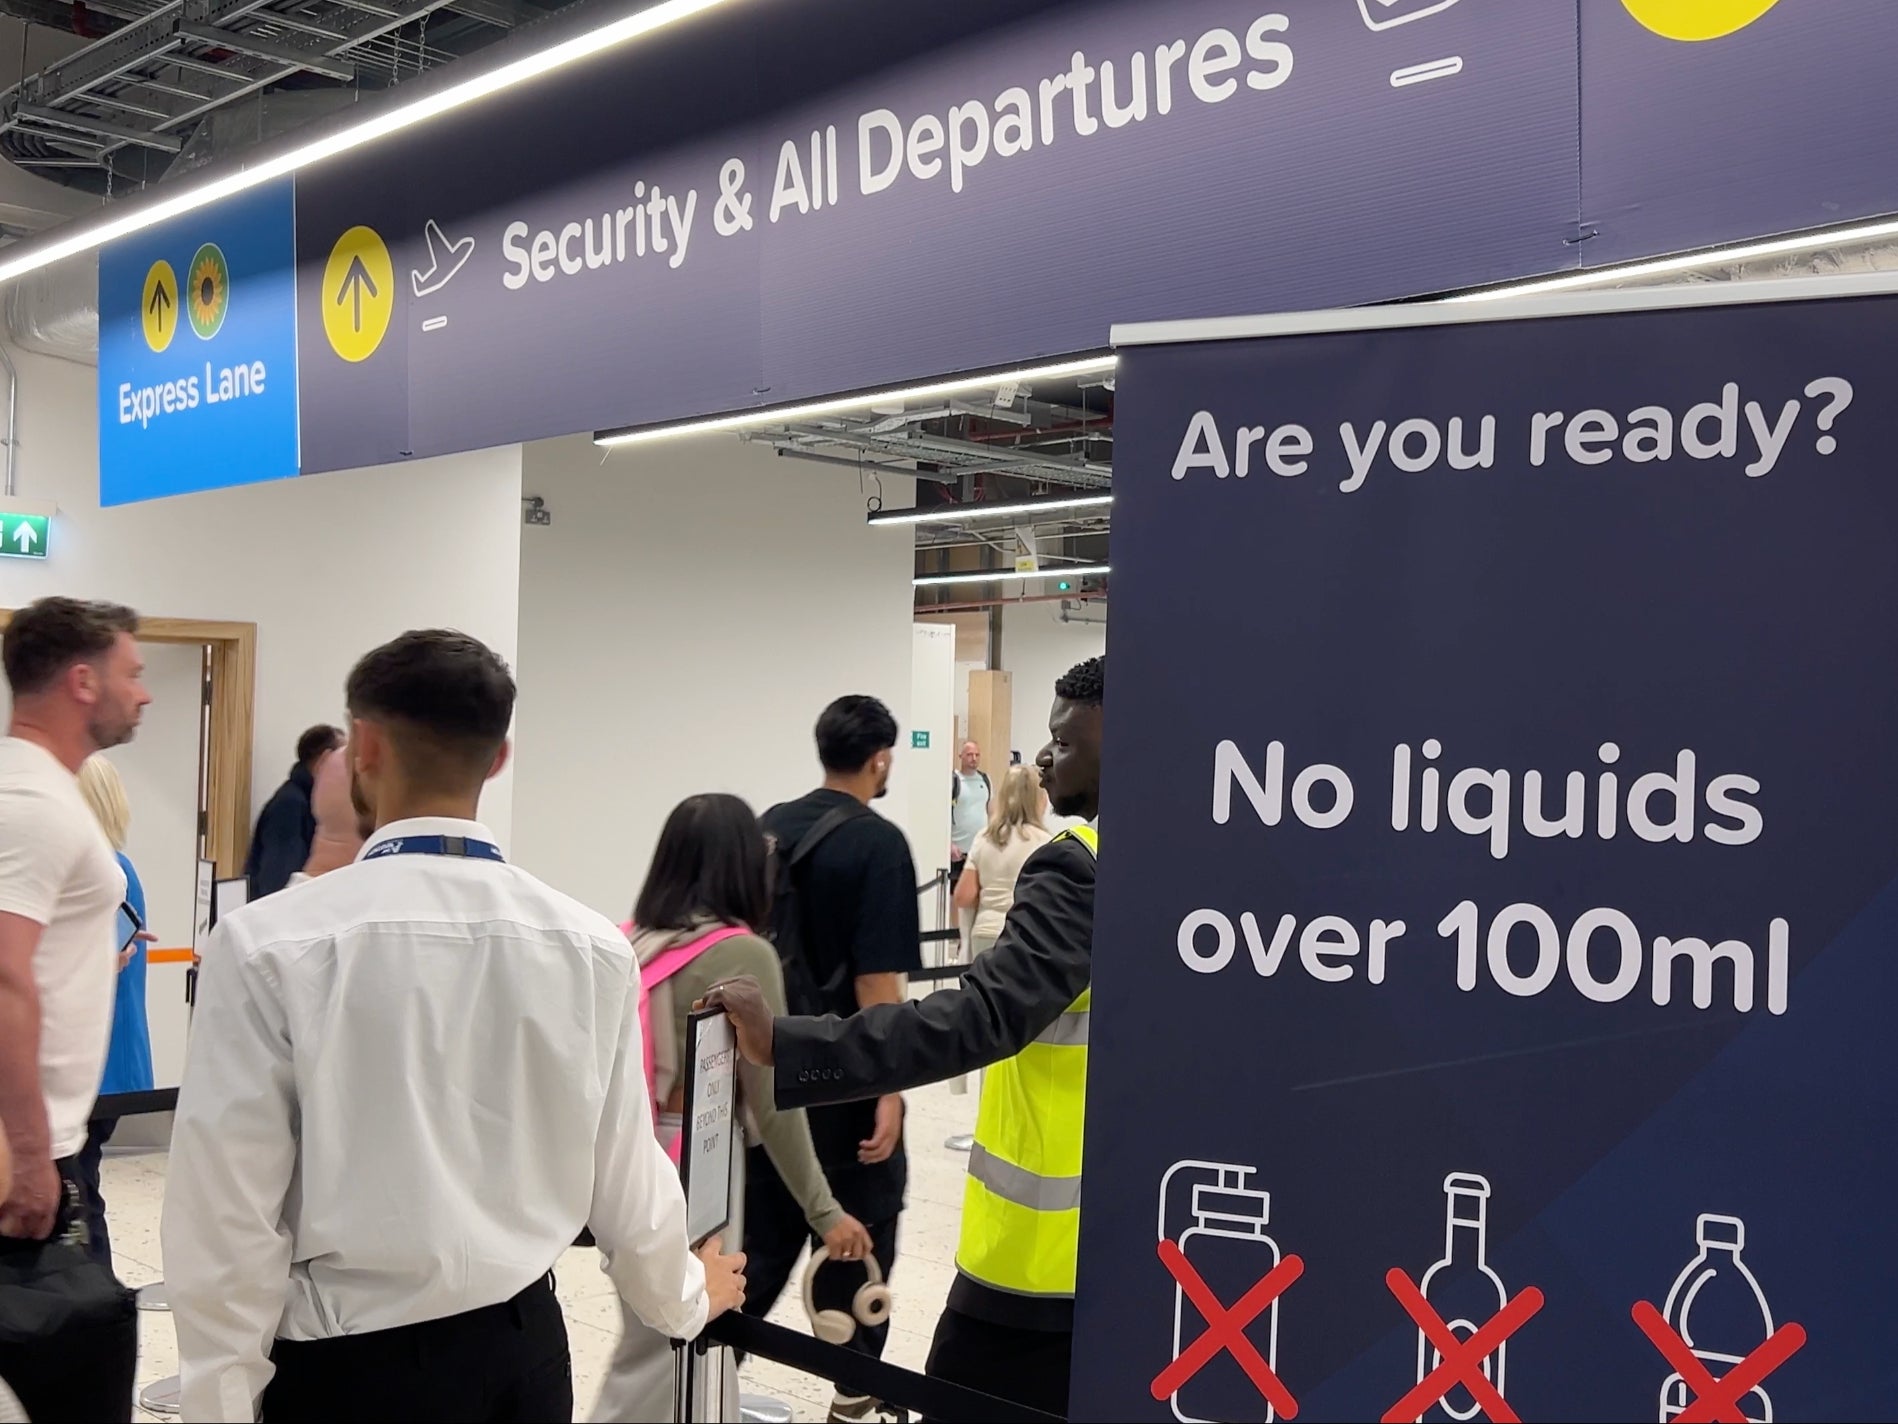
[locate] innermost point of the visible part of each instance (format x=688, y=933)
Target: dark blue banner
x=1501, y=876
x=796, y=200
x=781, y=200
x=1711, y=121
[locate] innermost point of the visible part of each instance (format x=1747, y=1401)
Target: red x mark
x=1462, y=1360
x=1226, y=1329
x=1717, y=1399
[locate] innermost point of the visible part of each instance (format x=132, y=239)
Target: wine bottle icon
x=1718, y=1309
x=1463, y=1288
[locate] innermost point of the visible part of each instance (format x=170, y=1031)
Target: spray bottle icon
x=1718, y=1309
x=1228, y=1246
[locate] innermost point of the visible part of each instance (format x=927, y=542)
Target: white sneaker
x=862, y=1409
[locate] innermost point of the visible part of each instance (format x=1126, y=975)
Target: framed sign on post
x=203, y=917
x=229, y=895
x=1506, y=927
x=709, y=1131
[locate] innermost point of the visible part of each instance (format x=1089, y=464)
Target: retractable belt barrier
x=152, y=1100
x=863, y=1374
x=936, y=973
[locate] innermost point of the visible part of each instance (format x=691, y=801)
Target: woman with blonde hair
x=1014, y=833
x=128, y=1061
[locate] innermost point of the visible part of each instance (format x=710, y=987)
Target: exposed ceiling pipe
x=1102, y=429
x=867, y=467
x=981, y=603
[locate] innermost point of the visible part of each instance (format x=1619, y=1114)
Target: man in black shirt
x=858, y=935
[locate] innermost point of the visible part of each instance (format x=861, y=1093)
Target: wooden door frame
x=233, y=692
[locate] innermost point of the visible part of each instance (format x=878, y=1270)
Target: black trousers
x=497, y=1365
x=98, y=1132
x=775, y=1232
x=1027, y=1366
x=83, y=1375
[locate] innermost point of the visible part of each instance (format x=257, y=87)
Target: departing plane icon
x=445, y=258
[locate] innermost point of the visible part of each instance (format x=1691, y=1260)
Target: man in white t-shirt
x=76, y=677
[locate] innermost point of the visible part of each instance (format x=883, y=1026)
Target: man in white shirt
x=75, y=674
x=411, y=1083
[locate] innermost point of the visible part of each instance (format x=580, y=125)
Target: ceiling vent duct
x=55, y=311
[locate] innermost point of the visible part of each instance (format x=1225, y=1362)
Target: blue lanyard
x=459, y=846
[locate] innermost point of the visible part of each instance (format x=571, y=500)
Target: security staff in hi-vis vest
x=1022, y=1013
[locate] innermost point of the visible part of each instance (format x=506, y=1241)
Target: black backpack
x=803, y=994
x=955, y=785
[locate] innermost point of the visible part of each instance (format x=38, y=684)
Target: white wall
x=327, y=566
x=932, y=710
x=691, y=609
x=1037, y=647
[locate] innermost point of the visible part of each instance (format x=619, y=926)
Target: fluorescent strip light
x=961, y=513
x=837, y=405
x=392, y=120
x=1003, y=575
x=1688, y=261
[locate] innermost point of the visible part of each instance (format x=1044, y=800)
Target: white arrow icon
x=445, y=258
x=25, y=536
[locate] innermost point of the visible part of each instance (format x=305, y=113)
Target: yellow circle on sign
x=358, y=294
x=1697, y=19
x=158, y=306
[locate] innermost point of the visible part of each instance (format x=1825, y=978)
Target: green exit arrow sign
x=23, y=536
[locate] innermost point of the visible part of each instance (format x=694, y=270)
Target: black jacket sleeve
x=281, y=845
x=1040, y=965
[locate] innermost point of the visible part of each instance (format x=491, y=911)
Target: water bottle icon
x=1464, y=1289
x=1228, y=1247
x=1718, y=1309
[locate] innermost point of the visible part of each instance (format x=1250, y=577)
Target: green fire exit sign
x=919, y=740
x=23, y=536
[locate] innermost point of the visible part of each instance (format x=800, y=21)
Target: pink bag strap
x=669, y=962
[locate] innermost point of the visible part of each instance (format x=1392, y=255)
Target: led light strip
x=1687, y=261
x=838, y=405
x=1003, y=575
x=962, y=513
x=87, y=236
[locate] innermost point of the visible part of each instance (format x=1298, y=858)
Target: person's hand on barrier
x=724, y=1278
x=883, y=1142
x=743, y=1002
x=848, y=1240
x=32, y=1205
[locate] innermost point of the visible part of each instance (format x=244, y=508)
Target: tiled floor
x=134, y=1188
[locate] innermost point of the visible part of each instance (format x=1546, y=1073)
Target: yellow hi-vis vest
x=1021, y=1209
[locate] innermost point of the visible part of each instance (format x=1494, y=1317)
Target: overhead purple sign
x=785, y=200
x=995, y=195
x=1733, y=119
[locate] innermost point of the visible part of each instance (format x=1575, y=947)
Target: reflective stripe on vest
x=1021, y=1208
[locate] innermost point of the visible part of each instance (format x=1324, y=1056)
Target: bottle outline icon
x=1465, y=1247
x=1721, y=1239
x=1228, y=1214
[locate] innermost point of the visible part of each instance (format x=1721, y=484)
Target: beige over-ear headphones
x=869, y=1306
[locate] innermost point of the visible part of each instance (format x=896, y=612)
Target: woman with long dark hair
x=695, y=924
